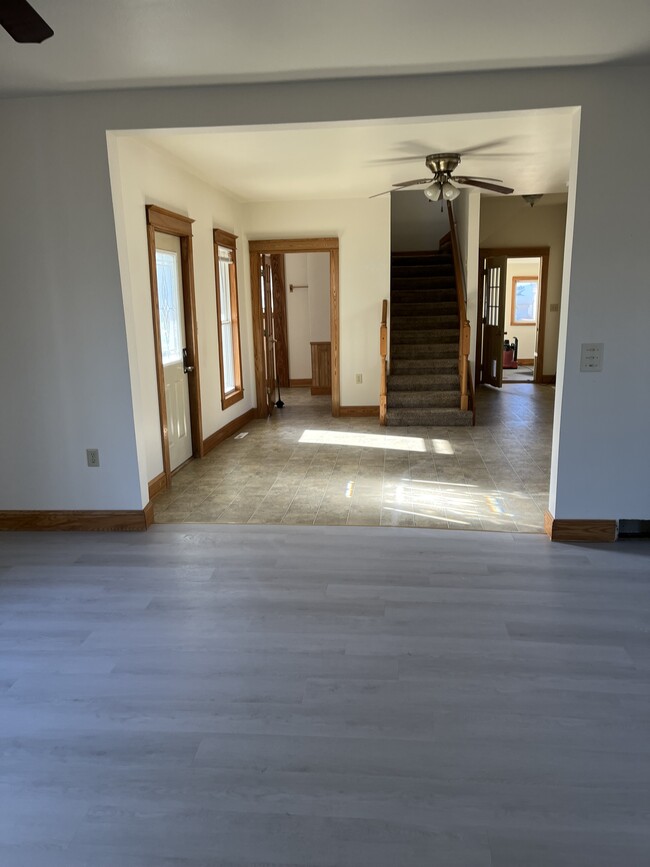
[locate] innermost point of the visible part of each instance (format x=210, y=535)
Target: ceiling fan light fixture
x=532, y=198
x=449, y=191
x=433, y=191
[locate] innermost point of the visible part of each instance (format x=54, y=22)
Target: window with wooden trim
x=225, y=261
x=524, y=301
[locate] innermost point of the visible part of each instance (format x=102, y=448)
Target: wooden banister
x=463, y=323
x=383, y=351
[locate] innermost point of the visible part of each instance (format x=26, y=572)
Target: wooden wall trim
x=549, y=379
x=576, y=530
x=359, y=411
x=106, y=521
x=228, y=430
x=157, y=485
x=299, y=383
x=294, y=245
x=168, y=221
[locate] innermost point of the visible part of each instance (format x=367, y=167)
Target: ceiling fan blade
x=23, y=23
x=463, y=179
x=495, y=143
x=428, y=180
x=472, y=182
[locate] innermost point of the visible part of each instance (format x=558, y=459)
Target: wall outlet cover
x=92, y=457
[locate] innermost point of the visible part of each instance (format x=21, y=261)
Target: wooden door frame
x=294, y=245
x=543, y=254
x=170, y=223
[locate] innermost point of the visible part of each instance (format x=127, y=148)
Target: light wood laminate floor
x=323, y=697
x=304, y=467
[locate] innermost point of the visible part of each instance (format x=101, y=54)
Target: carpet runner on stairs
x=423, y=386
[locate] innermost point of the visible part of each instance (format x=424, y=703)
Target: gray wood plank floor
x=323, y=697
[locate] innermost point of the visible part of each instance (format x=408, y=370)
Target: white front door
x=172, y=343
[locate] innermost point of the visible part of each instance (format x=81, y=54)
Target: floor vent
x=634, y=529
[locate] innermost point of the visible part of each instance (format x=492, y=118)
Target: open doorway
x=288, y=319
x=511, y=315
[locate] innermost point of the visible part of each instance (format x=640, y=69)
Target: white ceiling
x=129, y=43
x=529, y=151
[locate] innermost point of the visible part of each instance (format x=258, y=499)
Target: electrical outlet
x=359, y=378
x=92, y=456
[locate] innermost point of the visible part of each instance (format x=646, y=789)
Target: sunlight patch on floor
x=364, y=440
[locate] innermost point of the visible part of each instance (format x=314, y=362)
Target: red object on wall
x=509, y=362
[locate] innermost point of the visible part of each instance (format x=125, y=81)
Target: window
x=171, y=332
x=225, y=256
x=524, y=301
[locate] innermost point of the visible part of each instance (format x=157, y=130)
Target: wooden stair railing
x=383, y=351
x=465, y=334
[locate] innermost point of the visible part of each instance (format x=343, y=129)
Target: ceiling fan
x=440, y=186
x=22, y=22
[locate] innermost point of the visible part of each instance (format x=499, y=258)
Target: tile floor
x=304, y=467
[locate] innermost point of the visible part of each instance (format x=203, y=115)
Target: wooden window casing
x=228, y=241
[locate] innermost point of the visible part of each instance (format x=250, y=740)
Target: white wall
x=525, y=334
x=511, y=222
x=308, y=309
x=415, y=222
x=296, y=271
x=63, y=311
x=142, y=175
x=363, y=229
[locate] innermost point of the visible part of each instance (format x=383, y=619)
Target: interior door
x=172, y=345
x=266, y=284
x=494, y=300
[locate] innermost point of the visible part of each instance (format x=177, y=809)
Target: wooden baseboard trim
x=299, y=383
x=106, y=521
x=157, y=485
x=525, y=361
x=548, y=379
x=359, y=411
x=228, y=430
x=572, y=530
x=321, y=389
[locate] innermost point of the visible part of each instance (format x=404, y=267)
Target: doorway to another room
x=511, y=316
x=294, y=286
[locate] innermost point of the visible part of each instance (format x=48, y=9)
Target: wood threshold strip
x=576, y=530
x=74, y=519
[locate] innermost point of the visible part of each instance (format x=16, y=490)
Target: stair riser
x=449, y=335
x=422, y=282
x=423, y=260
x=406, y=351
x=413, y=323
x=399, y=308
x=423, y=400
x=422, y=381
x=440, y=270
x=406, y=366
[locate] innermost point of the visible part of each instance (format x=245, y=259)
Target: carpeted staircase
x=423, y=386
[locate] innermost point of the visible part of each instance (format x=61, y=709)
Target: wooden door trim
x=170, y=223
x=543, y=254
x=294, y=245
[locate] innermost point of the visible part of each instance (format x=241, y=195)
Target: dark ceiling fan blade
x=463, y=179
x=428, y=180
x=23, y=23
x=383, y=193
x=495, y=143
x=472, y=182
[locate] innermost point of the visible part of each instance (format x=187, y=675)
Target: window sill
x=232, y=397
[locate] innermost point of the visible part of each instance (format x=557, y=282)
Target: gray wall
x=67, y=382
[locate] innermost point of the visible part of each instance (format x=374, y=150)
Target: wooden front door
x=494, y=300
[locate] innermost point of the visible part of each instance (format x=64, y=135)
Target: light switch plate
x=591, y=357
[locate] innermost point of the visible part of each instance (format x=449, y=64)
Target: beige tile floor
x=304, y=467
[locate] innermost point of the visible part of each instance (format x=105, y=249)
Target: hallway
x=304, y=467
